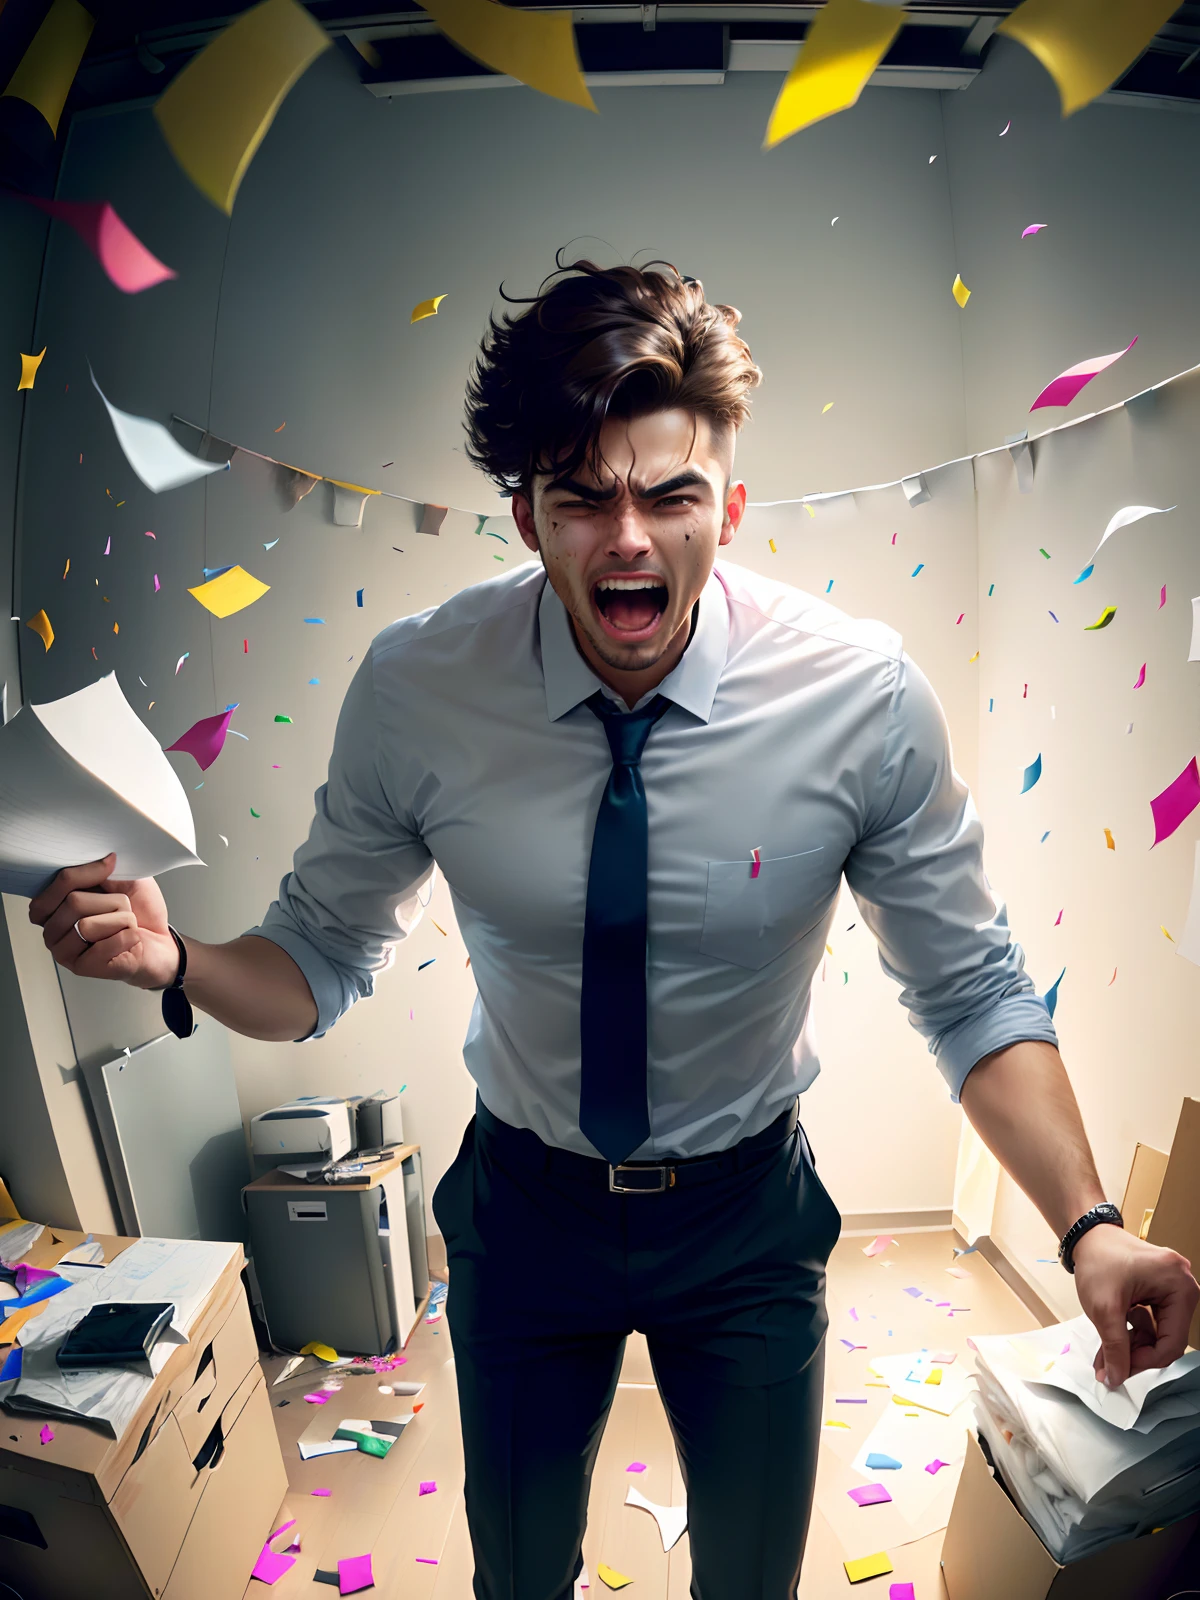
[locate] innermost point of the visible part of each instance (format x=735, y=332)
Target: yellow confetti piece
x=827, y=407
x=41, y=626
x=845, y=43
x=29, y=366
x=1168, y=936
x=868, y=1567
x=538, y=48
x=426, y=308
x=1086, y=45
x=610, y=1576
x=1103, y=620
x=232, y=591
x=1109, y=838
x=870, y=1383
x=116, y=627
x=152, y=705
x=323, y=1352
x=774, y=551
x=959, y=290
x=834, y=1422
x=829, y=949
x=440, y=929
x=975, y=657
x=67, y=568
x=808, y=508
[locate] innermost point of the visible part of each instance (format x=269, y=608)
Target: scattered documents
x=155, y=455
x=354, y=1574
x=215, y=113
x=844, y=44
x=1086, y=45
x=672, y=1520
x=232, y=591
x=1063, y=389
x=535, y=47
x=83, y=776
x=373, y=1438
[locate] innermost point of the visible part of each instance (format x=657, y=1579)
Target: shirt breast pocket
x=751, y=921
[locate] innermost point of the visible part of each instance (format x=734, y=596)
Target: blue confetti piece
x=829, y=586
x=425, y=964
x=1032, y=773
x=916, y=569
x=314, y=619
x=234, y=706
x=1086, y=573
x=1044, y=837
x=1051, y=995
x=200, y=785
x=499, y=536
x=359, y=595
x=314, y=680
x=878, y=1462
x=991, y=702
x=214, y=572
x=990, y=590
x=1055, y=618
x=272, y=545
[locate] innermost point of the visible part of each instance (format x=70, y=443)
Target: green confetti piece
x=497, y=558
x=282, y=718
x=254, y=813
x=1045, y=553
x=479, y=526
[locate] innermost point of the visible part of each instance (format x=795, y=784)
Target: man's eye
x=675, y=500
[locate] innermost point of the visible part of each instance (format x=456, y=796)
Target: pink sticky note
x=943, y=1358
x=316, y=1399
x=46, y=1434
x=205, y=740
x=1063, y=389
x=428, y=1488
x=901, y=1591
x=269, y=1567
x=355, y=1574
x=870, y=1494
x=1176, y=803
x=636, y=1466
x=118, y=250
x=934, y=1467
x=878, y=1244
x=323, y=1493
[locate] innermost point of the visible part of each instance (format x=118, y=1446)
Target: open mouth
x=630, y=608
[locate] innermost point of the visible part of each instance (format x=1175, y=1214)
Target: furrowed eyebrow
x=585, y=491
x=682, y=480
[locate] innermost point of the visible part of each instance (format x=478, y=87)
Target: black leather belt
x=640, y=1177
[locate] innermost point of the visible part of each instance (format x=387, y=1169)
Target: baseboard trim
x=895, y=1221
x=1016, y=1280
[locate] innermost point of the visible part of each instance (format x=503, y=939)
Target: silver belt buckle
x=664, y=1182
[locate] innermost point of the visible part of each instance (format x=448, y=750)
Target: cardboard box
x=990, y=1552
x=179, y=1506
x=1169, y=1190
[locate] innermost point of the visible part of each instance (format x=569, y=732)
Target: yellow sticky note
x=843, y=46
x=215, y=113
x=29, y=366
x=232, y=591
x=868, y=1567
x=426, y=308
x=1086, y=45
x=536, y=47
x=959, y=290
x=41, y=626
x=323, y=1352
x=47, y=70
x=610, y=1576
x=935, y=1375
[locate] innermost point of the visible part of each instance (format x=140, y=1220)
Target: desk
x=341, y=1263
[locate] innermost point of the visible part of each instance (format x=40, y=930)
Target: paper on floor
x=672, y=1520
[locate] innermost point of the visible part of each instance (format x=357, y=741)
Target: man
x=644, y=777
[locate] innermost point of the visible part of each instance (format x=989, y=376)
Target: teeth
x=631, y=583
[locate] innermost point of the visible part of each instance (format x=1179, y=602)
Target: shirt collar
x=691, y=684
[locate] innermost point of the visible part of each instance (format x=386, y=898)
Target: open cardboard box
x=1162, y=1197
x=179, y=1506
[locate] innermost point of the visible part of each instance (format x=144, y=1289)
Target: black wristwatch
x=176, y=1007
x=1104, y=1212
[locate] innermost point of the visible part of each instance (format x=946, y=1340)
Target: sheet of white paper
x=82, y=776
x=915, y=1441
x=907, y=1374
x=672, y=1520
x=916, y=490
x=1122, y=519
x=155, y=455
x=19, y=1241
x=88, y=1254
x=348, y=507
x=309, y=1448
x=1189, y=940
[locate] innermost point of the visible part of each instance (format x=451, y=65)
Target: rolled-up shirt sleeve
x=352, y=892
x=916, y=873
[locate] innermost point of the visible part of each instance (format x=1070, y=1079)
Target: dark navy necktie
x=613, y=1110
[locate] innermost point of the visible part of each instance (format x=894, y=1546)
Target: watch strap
x=176, y=1007
x=1104, y=1212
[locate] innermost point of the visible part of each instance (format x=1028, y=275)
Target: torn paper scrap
x=536, y=48
x=672, y=1520
x=868, y=1567
x=155, y=455
x=432, y=518
x=116, y=247
x=216, y=111
x=1176, y=802
x=610, y=1576
x=29, y=366
x=233, y=590
x=1085, y=49
x=426, y=308
x=291, y=485
x=205, y=740
x=1062, y=390
x=916, y=490
x=843, y=46
x=271, y=1566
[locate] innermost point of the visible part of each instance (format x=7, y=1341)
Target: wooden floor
x=375, y=1505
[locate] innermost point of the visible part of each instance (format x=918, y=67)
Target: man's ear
x=735, y=510
x=522, y=510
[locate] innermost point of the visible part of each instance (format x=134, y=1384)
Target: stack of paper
x=1088, y=1465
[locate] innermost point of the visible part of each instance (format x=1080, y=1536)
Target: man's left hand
x=1139, y=1297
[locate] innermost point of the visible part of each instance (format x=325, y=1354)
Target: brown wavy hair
x=593, y=343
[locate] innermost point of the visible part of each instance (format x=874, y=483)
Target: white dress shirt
x=465, y=741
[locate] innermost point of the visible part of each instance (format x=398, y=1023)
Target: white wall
x=297, y=313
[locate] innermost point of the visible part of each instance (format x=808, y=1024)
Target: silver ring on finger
x=86, y=941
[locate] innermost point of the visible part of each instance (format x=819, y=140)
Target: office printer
x=301, y=1131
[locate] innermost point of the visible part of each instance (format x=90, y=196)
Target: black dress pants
x=724, y=1272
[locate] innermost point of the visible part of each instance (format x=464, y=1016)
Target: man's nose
x=629, y=535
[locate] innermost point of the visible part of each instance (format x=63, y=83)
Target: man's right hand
x=103, y=927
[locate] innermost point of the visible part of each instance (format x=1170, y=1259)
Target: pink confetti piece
x=47, y=1433
x=878, y=1245
x=181, y=660
x=322, y=1494
x=1004, y=130
x=893, y=538
x=935, y=1466
x=916, y=1293
x=429, y=1561
x=271, y=1565
x=1064, y=1349
x=429, y=1487
x=316, y=1399
x=118, y=250
x=636, y=1466
x=108, y=546
x=205, y=740
x=1141, y=677
x=354, y=1574
x=157, y=585
x=869, y=1494
x=149, y=535
x=1162, y=597
x=943, y=1358
x=853, y=1314
x=1034, y=227
x=903, y=1591
x=756, y=862
x=1062, y=390
x=850, y=1346
x=1176, y=802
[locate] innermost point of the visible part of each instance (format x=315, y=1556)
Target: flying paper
x=29, y=366
x=672, y=1520
x=40, y=623
x=537, y=48
x=1034, y=227
x=878, y=1245
x=1063, y=389
x=234, y=590
x=323, y=1352
x=1032, y=773
x=1103, y=620
x=205, y=739
x=1122, y=519
x=157, y=458
x=959, y=290
x=610, y=1576
x=47, y=70
x=429, y=308
x=1086, y=45
x=844, y=44
x=1176, y=802
x=216, y=111
x=1051, y=995
x=118, y=250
